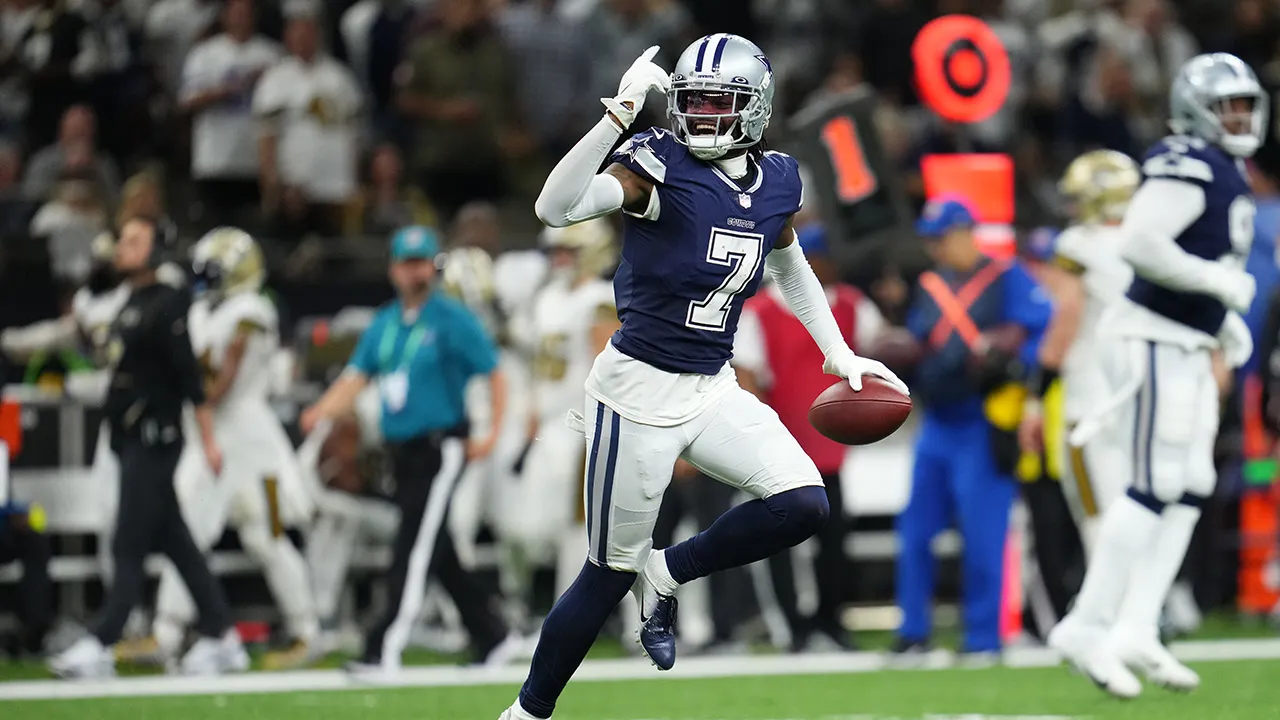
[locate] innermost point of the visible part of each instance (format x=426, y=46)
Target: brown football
x=860, y=418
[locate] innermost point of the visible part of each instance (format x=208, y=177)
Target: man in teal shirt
x=421, y=350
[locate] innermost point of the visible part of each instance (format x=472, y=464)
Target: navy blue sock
x=749, y=532
x=568, y=633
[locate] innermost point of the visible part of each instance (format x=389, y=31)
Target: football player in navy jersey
x=707, y=212
x=1186, y=233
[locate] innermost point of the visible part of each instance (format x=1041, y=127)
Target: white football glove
x=851, y=366
x=1236, y=341
x=643, y=75
x=1236, y=289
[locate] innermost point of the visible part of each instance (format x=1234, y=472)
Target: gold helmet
x=226, y=261
x=592, y=242
x=1099, y=184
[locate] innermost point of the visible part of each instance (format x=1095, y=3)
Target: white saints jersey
x=563, y=351
x=1093, y=253
x=214, y=327
x=518, y=274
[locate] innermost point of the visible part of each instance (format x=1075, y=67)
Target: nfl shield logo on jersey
x=744, y=200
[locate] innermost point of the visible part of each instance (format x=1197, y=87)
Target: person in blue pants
x=957, y=479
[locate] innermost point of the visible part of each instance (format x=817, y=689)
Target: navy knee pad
x=803, y=512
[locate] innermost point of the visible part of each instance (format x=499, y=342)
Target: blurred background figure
x=963, y=461
x=308, y=106
x=219, y=78
x=387, y=201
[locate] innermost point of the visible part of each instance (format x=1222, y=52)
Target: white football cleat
x=1088, y=650
x=1154, y=661
x=215, y=656
x=86, y=659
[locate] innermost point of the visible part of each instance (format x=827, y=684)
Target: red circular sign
x=962, y=68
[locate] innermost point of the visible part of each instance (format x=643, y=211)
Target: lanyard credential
x=407, y=353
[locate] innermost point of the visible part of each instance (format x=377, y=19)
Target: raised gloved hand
x=845, y=363
x=643, y=75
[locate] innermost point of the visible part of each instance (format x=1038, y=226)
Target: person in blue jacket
x=957, y=480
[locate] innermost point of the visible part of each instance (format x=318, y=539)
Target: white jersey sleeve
x=250, y=313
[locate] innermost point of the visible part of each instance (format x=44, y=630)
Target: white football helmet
x=721, y=95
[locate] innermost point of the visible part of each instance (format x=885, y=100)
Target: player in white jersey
x=1186, y=233
x=1086, y=275
x=234, y=329
x=573, y=316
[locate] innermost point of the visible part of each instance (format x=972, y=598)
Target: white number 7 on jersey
x=741, y=252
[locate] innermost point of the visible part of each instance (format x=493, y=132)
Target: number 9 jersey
x=1223, y=232
x=695, y=255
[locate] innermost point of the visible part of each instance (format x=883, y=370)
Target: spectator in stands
x=309, y=106
x=15, y=207
x=884, y=44
x=375, y=33
x=123, y=84
x=218, y=83
x=458, y=89
x=621, y=29
x=387, y=202
x=1100, y=115
x=552, y=65
x=58, y=59
x=1155, y=46
x=1252, y=35
x=173, y=27
x=773, y=363
x=76, y=151
x=68, y=222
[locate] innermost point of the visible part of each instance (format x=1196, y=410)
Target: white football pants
x=737, y=440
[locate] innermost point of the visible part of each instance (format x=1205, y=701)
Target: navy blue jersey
x=685, y=275
x=1223, y=232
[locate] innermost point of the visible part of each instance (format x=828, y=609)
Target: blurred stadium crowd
x=321, y=125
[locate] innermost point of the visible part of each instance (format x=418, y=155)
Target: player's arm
x=574, y=192
x=21, y=343
x=1161, y=210
x=340, y=399
x=805, y=297
x=1066, y=288
x=231, y=361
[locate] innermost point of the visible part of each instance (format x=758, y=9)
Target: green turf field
x=1242, y=690
x=1240, y=671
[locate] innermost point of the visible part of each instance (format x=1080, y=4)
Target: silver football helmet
x=1205, y=102
x=721, y=95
